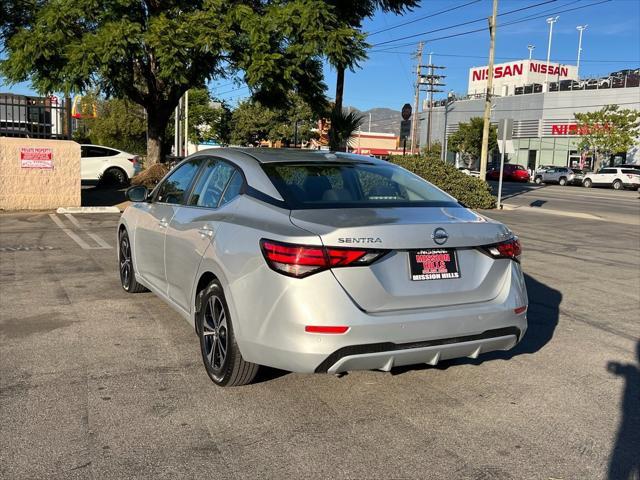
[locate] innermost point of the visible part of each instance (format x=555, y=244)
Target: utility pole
x=550, y=21
x=484, y=153
x=432, y=81
x=416, y=100
x=580, y=28
x=186, y=123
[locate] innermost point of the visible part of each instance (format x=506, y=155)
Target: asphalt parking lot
x=96, y=383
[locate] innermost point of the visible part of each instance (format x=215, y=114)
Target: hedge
x=471, y=191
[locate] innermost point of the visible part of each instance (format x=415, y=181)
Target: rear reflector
x=519, y=310
x=509, y=249
x=302, y=260
x=325, y=329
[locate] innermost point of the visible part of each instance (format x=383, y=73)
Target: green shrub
x=471, y=191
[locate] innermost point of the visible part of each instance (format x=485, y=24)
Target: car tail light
x=509, y=249
x=303, y=260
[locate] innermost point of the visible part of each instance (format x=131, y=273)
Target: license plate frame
x=429, y=264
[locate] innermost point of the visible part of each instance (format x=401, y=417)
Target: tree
x=151, y=52
x=208, y=119
x=253, y=122
x=119, y=123
x=607, y=131
x=353, y=13
x=343, y=126
x=467, y=141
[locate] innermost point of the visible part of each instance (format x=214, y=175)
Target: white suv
x=615, y=177
x=98, y=163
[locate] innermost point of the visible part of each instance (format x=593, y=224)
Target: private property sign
x=507, y=76
x=35, y=157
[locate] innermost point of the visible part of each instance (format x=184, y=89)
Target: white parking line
x=76, y=238
x=94, y=236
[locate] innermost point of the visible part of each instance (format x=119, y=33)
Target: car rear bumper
x=384, y=356
x=373, y=341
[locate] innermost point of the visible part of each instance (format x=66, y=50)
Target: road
x=96, y=383
x=600, y=203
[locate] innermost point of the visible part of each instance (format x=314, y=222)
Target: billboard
x=508, y=76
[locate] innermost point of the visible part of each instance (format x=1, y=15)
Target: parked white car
x=106, y=164
x=615, y=177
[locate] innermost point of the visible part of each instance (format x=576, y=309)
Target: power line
x=506, y=58
x=422, y=18
x=483, y=19
x=503, y=25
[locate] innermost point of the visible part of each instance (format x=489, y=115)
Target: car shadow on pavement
x=625, y=456
x=513, y=189
x=99, y=196
x=542, y=319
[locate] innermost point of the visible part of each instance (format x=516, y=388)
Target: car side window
x=234, y=187
x=173, y=189
x=211, y=184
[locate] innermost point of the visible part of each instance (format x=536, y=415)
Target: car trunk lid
x=387, y=284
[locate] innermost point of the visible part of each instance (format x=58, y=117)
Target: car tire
x=538, y=180
x=115, y=177
x=125, y=263
x=617, y=185
x=220, y=353
x=562, y=182
x=587, y=183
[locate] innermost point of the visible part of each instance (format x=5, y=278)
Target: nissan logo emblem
x=440, y=236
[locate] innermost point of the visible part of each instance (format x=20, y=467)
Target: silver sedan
x=320, y=262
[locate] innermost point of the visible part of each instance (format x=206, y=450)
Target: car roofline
x=287, y=155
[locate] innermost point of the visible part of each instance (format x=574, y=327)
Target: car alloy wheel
x=538, y=180
x=617, y=185
x=215, y=334
x=125, y=263
x=562, y=182
x=114, y=177
x=587, y=183
x=220, y=353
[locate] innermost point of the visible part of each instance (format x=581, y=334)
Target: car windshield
x=352, y=185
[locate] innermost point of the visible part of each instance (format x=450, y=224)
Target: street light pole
x=550, y=21
x=531, y=49
x=447, y=102
x=580, y=28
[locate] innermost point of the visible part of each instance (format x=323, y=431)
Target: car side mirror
x=138, y=193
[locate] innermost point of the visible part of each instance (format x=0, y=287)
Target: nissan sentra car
x=320, y=262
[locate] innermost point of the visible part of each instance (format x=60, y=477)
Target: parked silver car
x=321, y=262
x=560, y=175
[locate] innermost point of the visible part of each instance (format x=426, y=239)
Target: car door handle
x=163, y=223
x=205, y=232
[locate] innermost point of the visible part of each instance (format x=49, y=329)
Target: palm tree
x=343, y=125
x=353, y=13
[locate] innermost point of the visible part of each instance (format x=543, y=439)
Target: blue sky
x=611, y=42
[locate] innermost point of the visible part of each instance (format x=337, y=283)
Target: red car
x=514, y=173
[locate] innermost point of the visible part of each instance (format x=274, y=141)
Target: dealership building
x=541, y=127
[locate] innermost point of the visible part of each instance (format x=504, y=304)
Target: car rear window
x=352, y=185
x=630, y=171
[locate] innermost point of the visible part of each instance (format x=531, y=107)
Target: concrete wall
x=39, y=179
